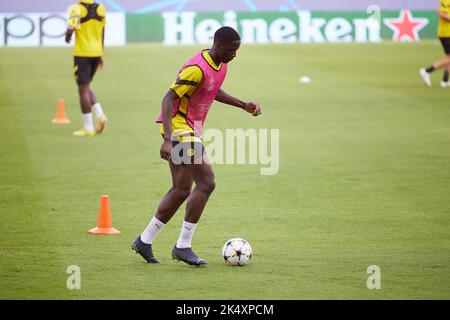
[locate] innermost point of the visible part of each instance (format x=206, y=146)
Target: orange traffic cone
x=61, y=117
x=104, y=224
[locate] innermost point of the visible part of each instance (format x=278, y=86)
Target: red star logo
x=405, y=27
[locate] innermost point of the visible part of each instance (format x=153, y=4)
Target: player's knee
x=182, y=192
x=208, y=187
x=213, y=186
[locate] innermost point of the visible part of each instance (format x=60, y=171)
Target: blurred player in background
x=87, y=20
x=444, y=37
x=184, y=110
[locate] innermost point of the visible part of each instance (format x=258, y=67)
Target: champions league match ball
x=237, y=252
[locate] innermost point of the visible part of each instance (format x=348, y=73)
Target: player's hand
x=101, y=63
x=253, y=108
x=166, y=150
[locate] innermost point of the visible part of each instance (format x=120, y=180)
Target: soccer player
x=444, y=36
x=184, y=109
x=87, y=20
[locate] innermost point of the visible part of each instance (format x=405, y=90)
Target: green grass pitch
x=364, y=177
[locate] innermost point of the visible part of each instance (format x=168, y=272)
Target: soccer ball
x=237, y=252
x=304, y=79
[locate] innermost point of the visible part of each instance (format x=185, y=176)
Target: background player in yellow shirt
x=444, y=36
x=87, y=21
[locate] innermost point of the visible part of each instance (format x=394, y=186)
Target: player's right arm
x=166, y=108
x=69, y=33
x=186, y=83
x=73, y=23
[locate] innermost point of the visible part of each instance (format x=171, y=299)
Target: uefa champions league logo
x=211, y=84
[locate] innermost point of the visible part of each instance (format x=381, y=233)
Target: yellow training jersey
x=444, y=25
x=88, y=20
x=184, y=86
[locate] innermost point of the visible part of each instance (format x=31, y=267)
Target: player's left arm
x=443, y=12
x=101, y=62
x=444, y=16
x=101, y=10
x=251, y=107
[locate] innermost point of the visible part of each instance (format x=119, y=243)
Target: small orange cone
x=104, y=224
x=61, y=117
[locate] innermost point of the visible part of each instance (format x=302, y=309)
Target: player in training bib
x=183, y=113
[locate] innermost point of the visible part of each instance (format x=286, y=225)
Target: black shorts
x=84, y=68
x=445, y=44
x=186, y=152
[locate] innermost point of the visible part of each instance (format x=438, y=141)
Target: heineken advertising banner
x=174, y=28
x=189, y=27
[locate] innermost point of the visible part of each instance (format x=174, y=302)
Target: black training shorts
x=445, y=44
x=186, y=152
x=84, y=68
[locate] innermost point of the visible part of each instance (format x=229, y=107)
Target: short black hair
x=226, y=34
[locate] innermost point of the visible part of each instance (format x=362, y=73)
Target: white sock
x=98, y=111
x=151, y=232
x=87, y=119
x=187, y=231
